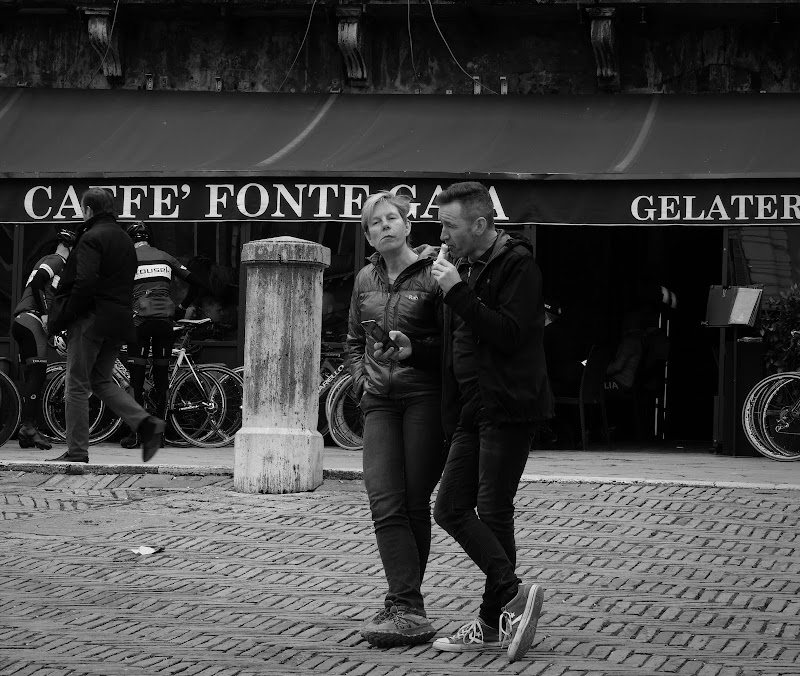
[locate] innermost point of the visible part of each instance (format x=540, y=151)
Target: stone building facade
x=555, y=47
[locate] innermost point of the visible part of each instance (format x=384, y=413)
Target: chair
x=591, y=391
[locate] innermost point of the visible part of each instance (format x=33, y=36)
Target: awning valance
x=560, y=159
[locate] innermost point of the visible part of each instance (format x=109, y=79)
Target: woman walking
x=398, y=381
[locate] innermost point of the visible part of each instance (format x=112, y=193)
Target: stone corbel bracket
x=351, y=42
x=103, y=41
x=604, y=44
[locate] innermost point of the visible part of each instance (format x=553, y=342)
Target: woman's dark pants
x=403, y=458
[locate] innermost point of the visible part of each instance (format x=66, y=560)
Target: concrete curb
x=536, y=478
x=175, y=470
x=350, y=475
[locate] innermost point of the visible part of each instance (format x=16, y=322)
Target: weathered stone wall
x=538, y=53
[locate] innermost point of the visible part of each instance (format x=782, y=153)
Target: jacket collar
x=426, y=257
x=97, y=218
x=501, y=244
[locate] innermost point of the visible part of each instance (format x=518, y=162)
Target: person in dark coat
x=495, y=392
x=93, y=303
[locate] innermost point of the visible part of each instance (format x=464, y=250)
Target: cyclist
x=153, y=313
x=30, y=332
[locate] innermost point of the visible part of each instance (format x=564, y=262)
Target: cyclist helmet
x=59, y=344
x=65, y=236
x=139, y=231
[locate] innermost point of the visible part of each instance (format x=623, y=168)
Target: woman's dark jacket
x=505, y=310
x=98, y=279
x=411, y=305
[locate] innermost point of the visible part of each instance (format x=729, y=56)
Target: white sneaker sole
x=526, y=632
x=454, y=647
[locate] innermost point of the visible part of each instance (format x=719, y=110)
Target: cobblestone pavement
x=640, y=579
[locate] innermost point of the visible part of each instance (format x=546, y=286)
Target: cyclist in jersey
x=30, y=332
x=153, y=313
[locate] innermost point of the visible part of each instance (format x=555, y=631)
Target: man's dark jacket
x=505, y=310
x=98, y=278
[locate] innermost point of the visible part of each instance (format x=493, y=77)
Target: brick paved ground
x=640, y=579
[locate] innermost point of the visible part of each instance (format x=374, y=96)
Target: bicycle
x=203, y=402
x=771, y=416
x=10, y=408
x=11, y=404
x=344, y=415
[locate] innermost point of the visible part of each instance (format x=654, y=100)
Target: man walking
x=495, y=393
x=94, y=304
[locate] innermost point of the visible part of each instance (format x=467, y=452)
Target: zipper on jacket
x=387, y=329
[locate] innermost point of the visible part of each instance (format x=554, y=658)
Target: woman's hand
x=403, y=343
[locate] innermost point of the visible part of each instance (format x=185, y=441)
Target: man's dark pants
x=90, y=363
x=403, y=458
x=482, y=474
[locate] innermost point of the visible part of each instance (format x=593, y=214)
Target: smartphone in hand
x=379, y=334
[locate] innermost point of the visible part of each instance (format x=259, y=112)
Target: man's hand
x=445, y=274
x=403, y=342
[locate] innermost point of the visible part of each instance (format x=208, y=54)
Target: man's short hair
x=99, y=200
x=474, y=198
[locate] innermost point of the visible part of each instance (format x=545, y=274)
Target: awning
x=625, y=159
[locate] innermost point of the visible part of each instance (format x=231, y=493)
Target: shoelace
x=384, y=615
x=507, y=622
x=400, y=620
x=471, y=632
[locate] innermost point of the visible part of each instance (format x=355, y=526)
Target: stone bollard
x=278, y=449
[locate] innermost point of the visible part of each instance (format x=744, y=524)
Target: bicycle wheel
x=10, y=408
x=327, y=377
x=781, y=419
x=346, y=420
x=341, y=380
x=197, y=409
x=171, y=437
x=232, y=386
x=103, y=422
x=53, y=369
x=752, y=409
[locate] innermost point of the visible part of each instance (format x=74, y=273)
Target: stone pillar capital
x=286, y=250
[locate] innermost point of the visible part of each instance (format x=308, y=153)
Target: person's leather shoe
x=29, y=436
x=66, y=457
x=151, y=432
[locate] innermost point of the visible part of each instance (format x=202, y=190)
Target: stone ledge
x=357, y=475
x=536, y=478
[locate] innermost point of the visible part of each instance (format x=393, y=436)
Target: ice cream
x=442, y=252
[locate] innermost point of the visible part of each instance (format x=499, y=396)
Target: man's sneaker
x=473, y=636
x=396, y=626
x=519, y=618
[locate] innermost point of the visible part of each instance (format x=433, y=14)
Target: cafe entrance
x=608, y=282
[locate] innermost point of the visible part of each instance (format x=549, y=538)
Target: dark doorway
x=608, y=282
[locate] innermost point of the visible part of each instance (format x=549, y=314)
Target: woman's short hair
x=401, y=202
